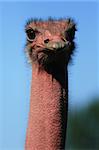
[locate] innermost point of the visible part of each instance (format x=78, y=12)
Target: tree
x=83, y=128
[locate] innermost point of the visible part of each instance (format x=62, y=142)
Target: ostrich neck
x=48, y=110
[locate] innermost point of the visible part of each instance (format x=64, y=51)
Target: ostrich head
x=50, y=42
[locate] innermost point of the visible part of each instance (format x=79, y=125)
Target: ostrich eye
x=67, y=36
x=30, y=34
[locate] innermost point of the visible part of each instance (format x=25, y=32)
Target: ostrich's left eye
x=67, y=35
x=30, y=34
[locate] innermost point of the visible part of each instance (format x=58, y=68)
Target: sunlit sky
x=15, y=73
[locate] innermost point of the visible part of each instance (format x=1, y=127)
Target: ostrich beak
x=56, y=45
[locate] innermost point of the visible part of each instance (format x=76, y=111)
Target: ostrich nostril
x=46, y=41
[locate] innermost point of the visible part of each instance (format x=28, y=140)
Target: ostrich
x=50, y=44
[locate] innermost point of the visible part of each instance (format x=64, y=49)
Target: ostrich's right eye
x=30, y=34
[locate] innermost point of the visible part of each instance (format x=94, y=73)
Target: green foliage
x=83, y=128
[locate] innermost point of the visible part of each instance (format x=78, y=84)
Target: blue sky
x=15, y=76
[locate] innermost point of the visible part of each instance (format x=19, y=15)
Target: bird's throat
x=48, y=112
